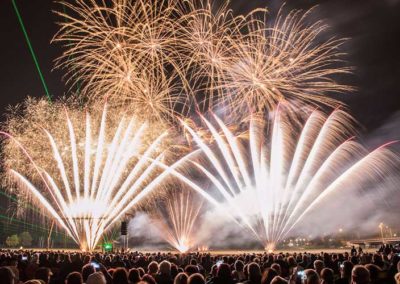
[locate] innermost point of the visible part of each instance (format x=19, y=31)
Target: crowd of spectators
x=56, y=267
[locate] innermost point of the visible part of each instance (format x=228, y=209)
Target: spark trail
x=176, y=217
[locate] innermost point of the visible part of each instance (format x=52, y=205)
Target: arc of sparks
x=285, y=175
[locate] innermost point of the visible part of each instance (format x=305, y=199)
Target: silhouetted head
x=360, y=275
x=7, y=275
x=224, y=272
x=327, y=276
x=149, y=279
x=268, y=275
x=277, y=268
x=134, y=275
x=374, y=271
x=120, y=276
x=96, y=278
x=318, y=266
x=279, y=280
x=312, y=276
x=43, y=273
x=165, y=268
x=181, y=278
x=239, y=265
x=74, y=278
x=87, y=269
x=291, y=261
x=196, y=278
x=191, y=269
x=152, y=268
x=254, y=272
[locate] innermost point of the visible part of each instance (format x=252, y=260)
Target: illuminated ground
x=230, y=252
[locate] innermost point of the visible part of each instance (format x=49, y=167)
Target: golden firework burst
x=161, y=58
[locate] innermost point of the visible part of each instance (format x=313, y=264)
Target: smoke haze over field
x=357, y=212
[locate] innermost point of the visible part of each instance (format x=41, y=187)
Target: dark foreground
x=333, y=267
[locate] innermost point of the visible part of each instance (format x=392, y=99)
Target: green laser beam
x=19, y=220
x=31, y=207
x=21, y=23
x=16, y=223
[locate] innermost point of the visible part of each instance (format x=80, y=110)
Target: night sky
x=372, y=26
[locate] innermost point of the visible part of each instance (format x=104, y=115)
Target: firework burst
x=283, y=62
x=269, y=181
x=124, y=51
x=168, y=55
x=91, y=175
x=208, y=30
